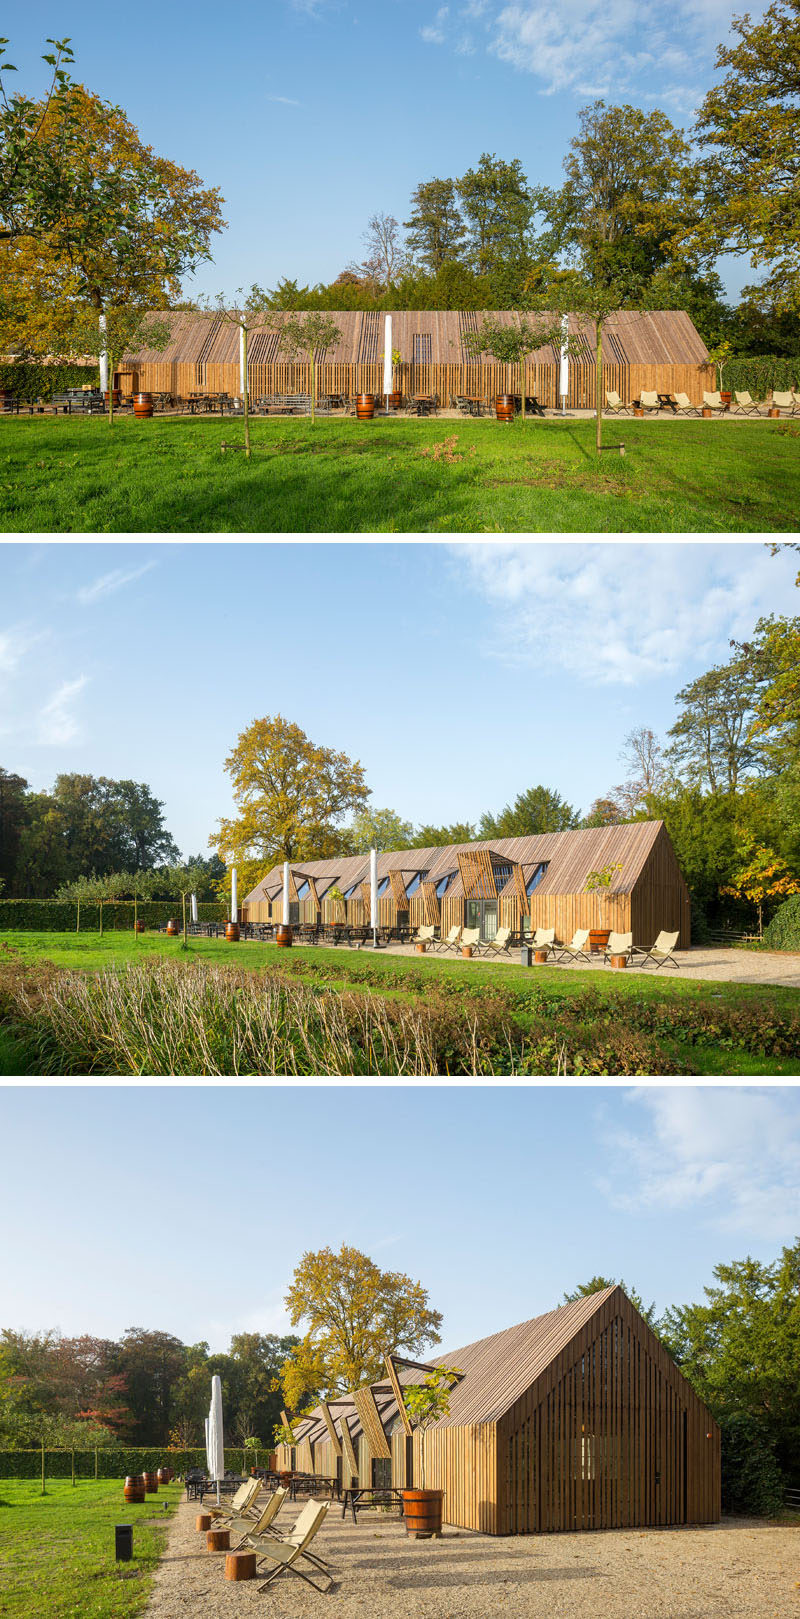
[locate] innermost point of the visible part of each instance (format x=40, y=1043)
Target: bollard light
x=123, y=1542
x=525, y=955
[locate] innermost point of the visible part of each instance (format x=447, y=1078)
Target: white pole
x=373, y=896
x=563, y=380
x=387, y=359
x=234, y=897
x=194, y=907
x=242, y=377
x=286, y=893
x=103, y=356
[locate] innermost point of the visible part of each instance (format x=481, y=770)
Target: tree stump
x=240, y=1566
x=540, y=957
x=203, y=1520
x=218, y=1540
x=619, y=961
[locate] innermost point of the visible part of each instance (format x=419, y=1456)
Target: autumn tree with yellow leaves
x=354, y=1314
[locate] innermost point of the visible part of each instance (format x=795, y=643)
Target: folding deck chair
x=713, y=401
x=286, y=1553
x=576, y=949
x=424, y=934
x=615, y=406
x=500, y=940
x=451, y=941
x=660, y=953
x=745, y=405
x=685, y=406
x=619, y=944
x=786, y=401
x=471, y=937
x=544, y=939
x=243, y=1498
x=251, y=1527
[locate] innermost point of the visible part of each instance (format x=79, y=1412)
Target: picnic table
x=376, y=1496
x=313, y=1484
x=531, y=404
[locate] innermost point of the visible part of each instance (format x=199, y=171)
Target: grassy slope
x=409, y=977
x=169, y=475
x=57, y=1550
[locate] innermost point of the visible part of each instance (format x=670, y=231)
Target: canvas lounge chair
x=500, y=940
x=451, y=940
x=251, y=1528
x=786, y=401
x=239, y=1502
x=576, y=949
x=619, y=944
x=649, y=400
x=713, y=401
x=685, y=406
x=471, y=937
x=425, y=934
x=660, y=953
x=615, y=406
x=285, y=1554
x=745, y=405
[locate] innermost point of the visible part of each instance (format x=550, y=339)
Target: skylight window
x=382, y=886
x=536, y=876
x=349, y=892
x=303, y=890
x=442, y=885
x=412, y=887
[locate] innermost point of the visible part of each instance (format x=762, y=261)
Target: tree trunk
x=101, y=918
x=598, y=400
x=185, y=941
x=313, y=390
x=78, y=919
x=246, y=398
x=522, y=396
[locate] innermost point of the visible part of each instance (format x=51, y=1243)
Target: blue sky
x=311, y=115
x=535, y=1190
x=489, y=667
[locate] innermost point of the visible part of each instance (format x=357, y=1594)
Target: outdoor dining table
x=531, y=404
x=308, y=1484
x=423, y=404
x=376, y=1496
x=474, y=401
x=667, y=402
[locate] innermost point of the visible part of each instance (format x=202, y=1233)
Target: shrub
x=783, y=932
x=113, y=1461
x=59, y=915
x=751, y=1478
x=29, y=381
x=759, y=374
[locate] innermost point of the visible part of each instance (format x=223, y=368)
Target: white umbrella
x=387, y=359
x=286, y=893
x=194, y=907
x=215, y=1443
x=563, y=376
x=373, y=894
x=234, y=896
x=242, y=375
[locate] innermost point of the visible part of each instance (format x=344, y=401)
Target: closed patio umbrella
x=234, y=896
x=373, y=895
x=286, y=893
x=563, y=376
x=215, y=1445
x=387, y=359
x=194, y=907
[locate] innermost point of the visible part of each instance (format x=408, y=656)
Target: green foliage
x=758, y=374
x=30, y=381
x=377, y=829
x=41, y=915
x=113, y=1461
x=783, y=932
x=598, y=1284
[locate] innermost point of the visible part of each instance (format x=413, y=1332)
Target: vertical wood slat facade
x=606, y=1434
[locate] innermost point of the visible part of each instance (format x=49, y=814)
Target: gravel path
x=702, y=962
x=737, y=1570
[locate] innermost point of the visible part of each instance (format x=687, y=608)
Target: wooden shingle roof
x=570, y=856
x=658, y=337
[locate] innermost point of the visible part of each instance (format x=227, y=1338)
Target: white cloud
x=731, y=1154
x=285, y=101
x=58, y=723
x=15, y=644
x=646, y=610
x=434, y=34
x=109, y=583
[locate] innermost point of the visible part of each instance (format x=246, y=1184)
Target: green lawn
x=57, y=1550
x=67, y=475
x=693, y=1027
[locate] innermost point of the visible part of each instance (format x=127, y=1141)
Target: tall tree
x=750, y=169
x=31, y=170
x=291, y=794
x=539, y=809
x=598, y=1284
x=436, y=232
x=508, y=344
x=152, y=1364
x=307, y=337
x=353, y=1313
x=385, y=255
x=13, y=817
x=378, y=829
x=714, y=739
x=498, y=210
x=441, y=837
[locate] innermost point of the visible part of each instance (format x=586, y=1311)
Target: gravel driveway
x=742, y=1569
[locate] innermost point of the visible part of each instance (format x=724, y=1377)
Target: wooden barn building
x=496, y=884
x=660, y=350
x=577, y=1419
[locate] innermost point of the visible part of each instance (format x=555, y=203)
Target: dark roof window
x=536, y=876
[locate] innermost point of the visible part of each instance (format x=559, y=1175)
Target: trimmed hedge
x=60, y=915
x=759, y=374
x=114, y=1461
x=30, y=381
x=783, y=932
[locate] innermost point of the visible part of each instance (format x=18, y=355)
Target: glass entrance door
x=482, y=913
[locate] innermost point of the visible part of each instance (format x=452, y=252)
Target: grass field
x=57, y=1550
x=65, y=475
x=525, y=1021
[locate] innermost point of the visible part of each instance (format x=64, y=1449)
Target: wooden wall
x=485, y=381
x=660, y=898
x=610, y=1437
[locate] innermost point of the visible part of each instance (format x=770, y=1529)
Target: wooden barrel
x=422, y=1510
x=143, y=405
x=240, y=1566
x=283, y=935
x=395, y=400
x=138, y=926
x=504, y=407
x=598, y=939
x=232, y=931
x=218, y=1540
x=365, y=407
x=151, y=1483
x=117, y=395
x=163, y=1475
x=134, y=1488
x=172, y=928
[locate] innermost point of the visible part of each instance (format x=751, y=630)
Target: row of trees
x=146, y=1388
x=739, y=1349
